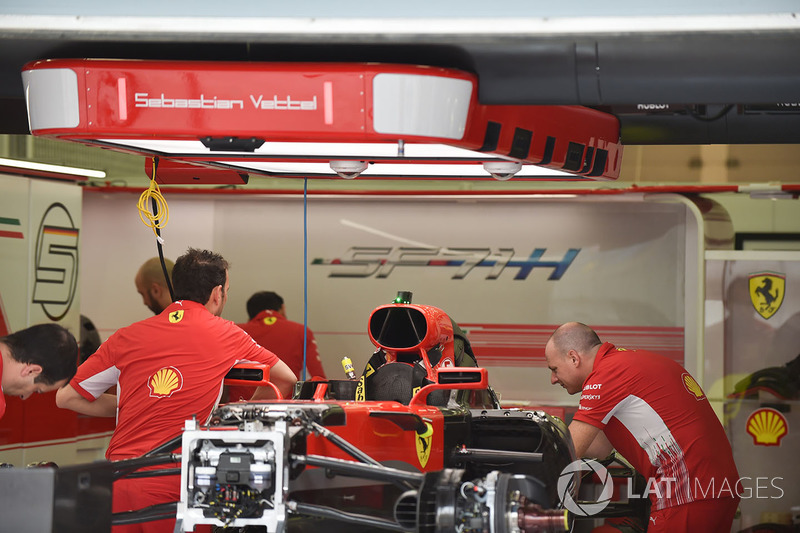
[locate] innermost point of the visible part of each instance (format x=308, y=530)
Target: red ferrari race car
x=419, y=443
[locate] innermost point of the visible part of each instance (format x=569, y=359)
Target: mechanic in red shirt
x=651, y=410
x=167, y=369
x=37, y=359
x=270, y=328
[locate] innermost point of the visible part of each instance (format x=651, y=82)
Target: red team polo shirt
x=285, y=338
x=168, y=369
x=657, y=416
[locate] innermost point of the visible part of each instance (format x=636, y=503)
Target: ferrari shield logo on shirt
x=692, y=386
x=164, y=382
x=766, y=292
x=176, y=316
x=269, y=320
x=424, y=445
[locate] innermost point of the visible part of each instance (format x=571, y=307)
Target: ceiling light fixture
x=348, y=169
x=46, y=168
x=502, y=170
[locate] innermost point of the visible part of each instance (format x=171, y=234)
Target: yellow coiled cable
x=158, y=218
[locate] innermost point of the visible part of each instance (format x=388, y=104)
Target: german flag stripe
x=58, y=230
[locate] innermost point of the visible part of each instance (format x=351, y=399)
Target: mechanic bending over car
x=152, y=285
x=38, y=359
x=167, y=369
x=651, y=410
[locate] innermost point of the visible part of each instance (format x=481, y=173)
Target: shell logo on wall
x=767, y=427
x=164, y=382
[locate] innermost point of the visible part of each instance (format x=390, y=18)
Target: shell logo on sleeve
x=164, y=382
x=692, y=386
x=767, y=427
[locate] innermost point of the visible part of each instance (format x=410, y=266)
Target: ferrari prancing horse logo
x=424, y=445
x=766, y=292
x=176, y=316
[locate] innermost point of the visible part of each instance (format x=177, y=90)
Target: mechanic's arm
x=68, y=398
x=583, y=439
x=600, y=448
x=282, y=377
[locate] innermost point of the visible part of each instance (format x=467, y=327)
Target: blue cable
x=305, y=275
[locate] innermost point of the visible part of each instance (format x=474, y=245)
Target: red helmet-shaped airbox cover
x=409, y=327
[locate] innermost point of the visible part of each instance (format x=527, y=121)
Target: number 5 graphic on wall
x=56, y=262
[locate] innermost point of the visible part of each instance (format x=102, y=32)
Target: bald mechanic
x=167, y=369
x=37, y=359
x=654, y=414
x=152, y=286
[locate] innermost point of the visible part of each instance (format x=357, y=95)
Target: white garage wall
x=115, y=243
x=628, y=278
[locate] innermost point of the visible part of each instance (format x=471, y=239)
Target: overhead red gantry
x=241, y=118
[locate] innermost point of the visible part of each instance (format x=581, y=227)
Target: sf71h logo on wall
x=366, y=261
x=766, y=292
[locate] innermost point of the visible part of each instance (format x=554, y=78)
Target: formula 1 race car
x=418, y=443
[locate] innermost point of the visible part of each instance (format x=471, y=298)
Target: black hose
x=154, y=473
x=166, y=447
x=158, y=242
x=125, y=466
x=328, y=512
x=159, y=511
